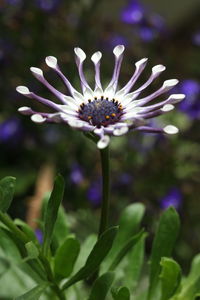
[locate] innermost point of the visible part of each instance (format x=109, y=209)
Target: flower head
x=173, y=197
x=103, y=112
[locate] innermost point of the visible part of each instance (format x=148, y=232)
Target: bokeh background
x=152, y=169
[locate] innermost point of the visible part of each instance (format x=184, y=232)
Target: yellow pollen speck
x=113, y=115
x=89, y=117
x=107, y=117
x=120, y=106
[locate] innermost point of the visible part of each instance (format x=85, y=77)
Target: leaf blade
x=163, y=244
x=66, y=256
x=34, y=293
x=101, y=286
x=52, y=211
x=170, y=277
x=96, y=256
x=7, y=188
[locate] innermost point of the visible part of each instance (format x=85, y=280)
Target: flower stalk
x=104, y=153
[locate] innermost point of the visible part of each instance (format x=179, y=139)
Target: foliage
x=40, y=274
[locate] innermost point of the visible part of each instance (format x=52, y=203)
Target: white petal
x=98, y=92
x=70, y=102
x=96, y=57
x=109, y=92
x=23, y=90
x=158, y=69
x=141, y=62
x=167, y=107
x=170, y=129
x=99, y=131
x=79, y=97
x=38, y=118
x=170, y=83
x=51, y=61
x=80, y=53
x=37, y=71
x=120, y=131
x=176, y=97
x=76, y=123
x=118, y=50
x=24, y=109
x=88, y=94
x=103, y=142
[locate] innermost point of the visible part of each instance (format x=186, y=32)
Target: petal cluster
x=134, y=110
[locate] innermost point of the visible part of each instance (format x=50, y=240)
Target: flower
x=76, y=174
x=39, y=235
x=94, y=193
x=147, y=34
x=191, y=88
x=10, y=130
x=133, y=13
x=196, y=38
x=48, y=5
x=103, y=112
x=173, y=197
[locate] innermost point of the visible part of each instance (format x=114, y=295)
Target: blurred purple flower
x=10, y=130
x=157, y=22
x=14, y=2
x=125, y=179
x=39, y=235
x=173, y=198
x=147, y=34
x=117, y=39
x=48, y=5
x=133, y=13
x=94, y=193
x=76, y=174
x=190, y=105
x=196, y=38
x=52, y=135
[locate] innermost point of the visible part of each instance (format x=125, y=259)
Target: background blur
x=153, y=169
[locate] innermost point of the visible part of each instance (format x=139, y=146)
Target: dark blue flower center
x=101, y=112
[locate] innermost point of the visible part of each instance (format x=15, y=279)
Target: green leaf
x=61, y=229
x=135, y=263
x=86, y=247
x=7, y=188
x=191, y=285
x=163, y=244
x=170, y=277
x=101, y=286
x=32, y=250
x=35, y=293
x=52, y=211
x=8, y=246
x=66, y=256
x=123, y=293
x=4, y=265
x=128, y=226
x=26, y=229
x=125, y=248
x=96, y=256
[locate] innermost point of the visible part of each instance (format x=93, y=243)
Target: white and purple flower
x=112, y=111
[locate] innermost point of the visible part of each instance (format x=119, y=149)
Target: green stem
x=105, y=190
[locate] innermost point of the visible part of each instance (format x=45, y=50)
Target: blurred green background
x=152, y=169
